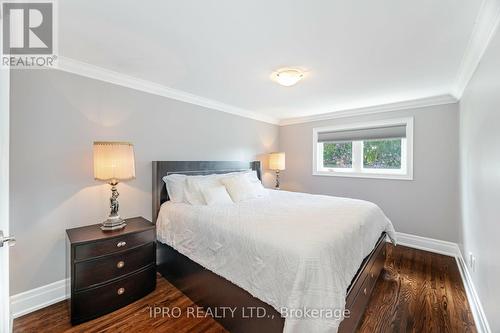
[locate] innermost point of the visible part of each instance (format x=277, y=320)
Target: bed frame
x=214, y=293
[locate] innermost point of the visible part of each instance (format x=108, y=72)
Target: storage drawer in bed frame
x=361, y=289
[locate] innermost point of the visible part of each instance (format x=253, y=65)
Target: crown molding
x=410, y=104
x=94, y=72
x=102, y=74
x=485, y=26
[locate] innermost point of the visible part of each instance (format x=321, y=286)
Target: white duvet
x=297, y=252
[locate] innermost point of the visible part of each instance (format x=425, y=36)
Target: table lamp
x=113, y=162
x=277, y=163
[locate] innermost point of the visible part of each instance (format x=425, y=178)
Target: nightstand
x=110, y=269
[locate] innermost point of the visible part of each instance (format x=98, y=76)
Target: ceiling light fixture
x=288, y=77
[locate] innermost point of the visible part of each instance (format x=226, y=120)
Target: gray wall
x=55, y=117
x=480, y=178
x=427, y=206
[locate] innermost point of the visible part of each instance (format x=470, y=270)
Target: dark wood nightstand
x=110, y=269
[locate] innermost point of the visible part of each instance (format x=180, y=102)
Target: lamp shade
x=277, y=161
x=114, y=161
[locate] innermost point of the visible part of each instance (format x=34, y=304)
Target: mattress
x=297, y=252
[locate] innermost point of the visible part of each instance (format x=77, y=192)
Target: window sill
x=363, y=175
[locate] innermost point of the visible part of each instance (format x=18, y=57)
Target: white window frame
x=358, y=171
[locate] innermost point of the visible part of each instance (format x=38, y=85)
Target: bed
x=290, y=262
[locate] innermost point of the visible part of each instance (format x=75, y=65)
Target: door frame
x=5, y=315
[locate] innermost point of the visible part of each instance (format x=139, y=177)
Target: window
x=337, y=155
x=381, y=149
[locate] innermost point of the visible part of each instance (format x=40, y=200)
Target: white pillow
x=257, y=184
x=175, y=184
x=239, y=187
x=216, y=195
x=195, y=184
x=252, y=176
x=261, y=192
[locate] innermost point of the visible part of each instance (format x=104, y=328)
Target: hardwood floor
x=136, y=317
x=418, y=291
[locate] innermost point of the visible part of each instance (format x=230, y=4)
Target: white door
x=5, y=323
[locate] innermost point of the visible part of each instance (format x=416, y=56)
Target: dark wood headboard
x=165, y=168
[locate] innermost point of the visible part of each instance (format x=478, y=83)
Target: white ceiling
x=356, y=53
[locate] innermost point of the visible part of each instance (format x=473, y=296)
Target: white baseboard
x=472, y=296
x=34, y=299
x=428, y=244
x=452, y=250
x=38, y=298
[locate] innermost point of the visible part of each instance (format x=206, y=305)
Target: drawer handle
x=120, y=264
x=121, y=291
x=373, y=275
x=121, y=244
x=364, y=291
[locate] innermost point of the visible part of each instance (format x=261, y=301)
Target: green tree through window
x=337, y=154
x=382, y=154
